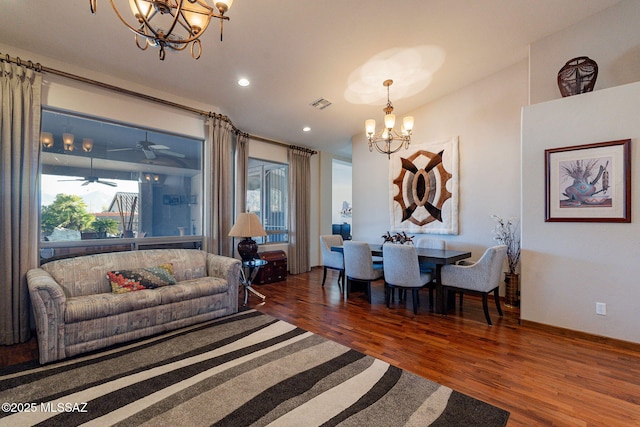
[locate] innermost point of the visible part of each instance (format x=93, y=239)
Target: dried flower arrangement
x=507, y=232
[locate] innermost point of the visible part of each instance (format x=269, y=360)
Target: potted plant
x=507, y=232
x=102, y=226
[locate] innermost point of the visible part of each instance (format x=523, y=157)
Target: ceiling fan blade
x=121, y=149
x=110, y=184
x=173, y=154
x=86, y=183
x=158, y=147
x=69, y=180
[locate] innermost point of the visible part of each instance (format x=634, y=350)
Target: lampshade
x=223, y=5
x=370, y=126
x=247, y=225
x=197, y=18
x=87, y=145
x=407, y=123
x=389, y=121
x=67, y=140
x=46, y=138
x=144, y=7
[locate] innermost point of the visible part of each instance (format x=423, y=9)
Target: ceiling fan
x=91, y=179
x=151, y=150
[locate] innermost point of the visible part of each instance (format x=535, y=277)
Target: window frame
x=269, y=165
x=61, y=249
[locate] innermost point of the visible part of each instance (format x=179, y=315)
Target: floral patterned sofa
x=77, y=310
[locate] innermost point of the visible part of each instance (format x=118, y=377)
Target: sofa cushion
x=102, y=305
x=141, y=278
x=190, y=289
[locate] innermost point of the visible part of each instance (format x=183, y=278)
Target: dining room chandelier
x=171, y=24
x=389, y=140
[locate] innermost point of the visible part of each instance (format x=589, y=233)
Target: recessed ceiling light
x=244, y=82
x=306, y=129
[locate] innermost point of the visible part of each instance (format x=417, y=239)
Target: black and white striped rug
x=246, y=369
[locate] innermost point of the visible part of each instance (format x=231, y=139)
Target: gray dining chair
x=359, y=266
x=482, y=277
x=429, y=243
x=330, y=259
x=402, y=271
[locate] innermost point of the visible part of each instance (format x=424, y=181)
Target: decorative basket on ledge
x=577, y=76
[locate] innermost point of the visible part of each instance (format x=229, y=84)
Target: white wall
x=568, y=267
x=341, y=190
x=486, y=118
x=610, y=38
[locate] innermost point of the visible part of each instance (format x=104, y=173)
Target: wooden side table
x=248, y=274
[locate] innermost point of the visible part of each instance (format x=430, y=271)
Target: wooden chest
x=275, y=270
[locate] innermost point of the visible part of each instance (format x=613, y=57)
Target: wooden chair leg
x=496, y=296
x=431, y=299
x=485, y=306
x=340, y=279
x=461, y=295
x=416, y=300
x=368, y=289
x=324, y=276
x=388, y=291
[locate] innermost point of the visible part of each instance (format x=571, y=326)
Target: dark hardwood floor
x=542, y=378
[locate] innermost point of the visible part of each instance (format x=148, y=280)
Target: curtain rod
x=40, y=68
x=271, y=141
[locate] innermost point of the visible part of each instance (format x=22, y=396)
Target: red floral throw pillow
x=141, y=278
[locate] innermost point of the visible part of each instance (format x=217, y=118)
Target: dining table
x=438, y=257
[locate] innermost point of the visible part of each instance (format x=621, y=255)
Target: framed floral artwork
x=589, y=183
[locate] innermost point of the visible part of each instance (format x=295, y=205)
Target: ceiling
x=297, y=51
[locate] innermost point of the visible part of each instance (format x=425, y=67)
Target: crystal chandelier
x=388, y=136
x=172, y=24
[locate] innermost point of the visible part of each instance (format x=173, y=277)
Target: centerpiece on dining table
x=399, y=238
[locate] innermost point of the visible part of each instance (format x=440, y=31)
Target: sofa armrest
x=49, y=302
x=225, y=268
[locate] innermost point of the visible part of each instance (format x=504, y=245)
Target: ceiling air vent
x=320, y=103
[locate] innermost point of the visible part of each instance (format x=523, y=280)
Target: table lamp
x=247, y=225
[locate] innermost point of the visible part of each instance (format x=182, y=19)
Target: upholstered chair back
x=401, y=266
x=330, y=258
x=358, y=263
x=482, y=276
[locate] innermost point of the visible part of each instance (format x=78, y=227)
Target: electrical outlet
x=601, y=308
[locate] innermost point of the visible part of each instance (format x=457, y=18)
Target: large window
x=267, y=197
x=108, y=181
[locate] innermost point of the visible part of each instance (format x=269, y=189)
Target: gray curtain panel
x=221, y=160
x=242, y=170
x=299, y=212
x=20, y=89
